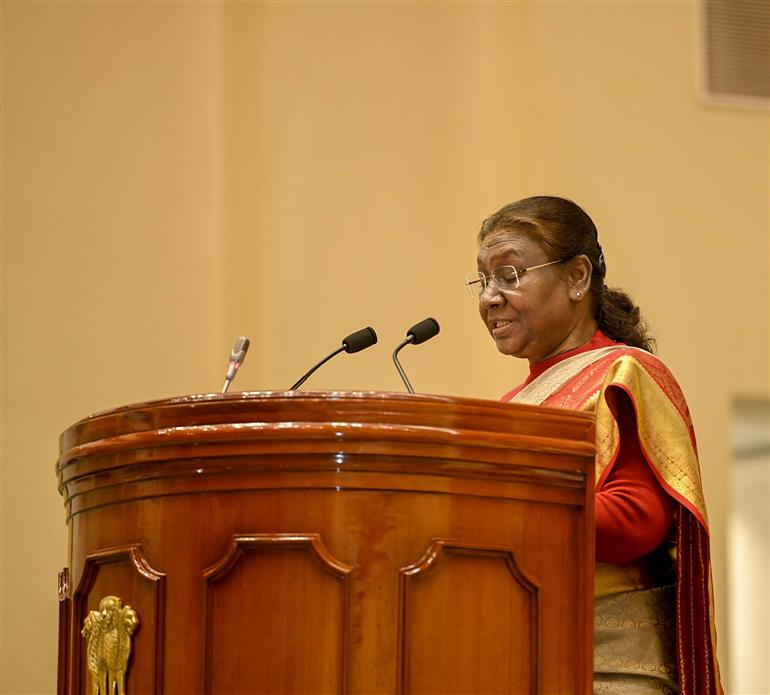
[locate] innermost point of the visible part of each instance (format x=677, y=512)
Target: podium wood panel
x=330, y=542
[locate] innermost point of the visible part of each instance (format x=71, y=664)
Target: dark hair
x=564, y=230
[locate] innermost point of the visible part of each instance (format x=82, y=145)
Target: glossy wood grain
x=308, y=542
x=258, y=593
x=438, y=617
x=65, y=627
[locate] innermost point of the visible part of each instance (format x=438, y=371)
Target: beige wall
x=111, y=241
x=177, y=174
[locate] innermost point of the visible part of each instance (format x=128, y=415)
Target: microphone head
x=425, y=330
x=240, y=349
x=360, y=340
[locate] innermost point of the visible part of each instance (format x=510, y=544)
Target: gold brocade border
x=663, y=434
x=553, y=380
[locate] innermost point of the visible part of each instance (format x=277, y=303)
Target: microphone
x=355, y=342
x=419, y=333
x=237, y=355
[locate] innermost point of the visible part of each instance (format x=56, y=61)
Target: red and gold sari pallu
x=667, y=439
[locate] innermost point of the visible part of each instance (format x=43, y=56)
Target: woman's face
x=544, y=316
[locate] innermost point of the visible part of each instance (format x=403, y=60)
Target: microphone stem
x=399, y=367
x=232, y=370
x=307, y=374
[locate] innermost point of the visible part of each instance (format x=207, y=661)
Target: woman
x=542, y=296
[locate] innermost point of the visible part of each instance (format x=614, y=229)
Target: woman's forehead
x=507, y=241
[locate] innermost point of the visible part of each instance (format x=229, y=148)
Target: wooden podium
x=331, y=542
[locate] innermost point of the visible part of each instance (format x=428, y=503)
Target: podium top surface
x=364, y=407
x=200, y=439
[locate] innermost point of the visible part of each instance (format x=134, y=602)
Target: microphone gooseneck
x=237, y=355
x=355, y=342
x=419, y=333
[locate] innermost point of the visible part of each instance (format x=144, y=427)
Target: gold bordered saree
x=667, y=439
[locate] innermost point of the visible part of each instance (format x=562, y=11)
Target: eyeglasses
x=506, y=278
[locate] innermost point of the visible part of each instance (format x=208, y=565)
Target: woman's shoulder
x=634, y=359
x=643, y=374
x=608, y=352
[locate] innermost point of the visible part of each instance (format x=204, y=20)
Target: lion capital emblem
x=108, y=632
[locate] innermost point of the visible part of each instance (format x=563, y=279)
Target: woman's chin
x=509, y=347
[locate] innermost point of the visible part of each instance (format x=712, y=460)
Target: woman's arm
x=633, y=512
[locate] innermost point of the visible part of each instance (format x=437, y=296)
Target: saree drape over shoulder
x=585, y=380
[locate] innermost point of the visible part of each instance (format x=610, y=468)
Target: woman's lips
x=499, y=327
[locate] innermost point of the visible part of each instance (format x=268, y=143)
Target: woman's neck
x=597, y=340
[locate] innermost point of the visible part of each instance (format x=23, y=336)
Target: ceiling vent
x=735, y=55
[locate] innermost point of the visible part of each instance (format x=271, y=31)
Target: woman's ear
x=580, y=276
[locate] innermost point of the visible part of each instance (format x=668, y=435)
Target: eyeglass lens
x=505, y=277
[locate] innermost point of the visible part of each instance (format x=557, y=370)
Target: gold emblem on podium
x=108, y=632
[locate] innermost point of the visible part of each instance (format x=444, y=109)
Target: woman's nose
x=491, y=296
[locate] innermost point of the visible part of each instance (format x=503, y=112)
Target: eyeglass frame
x=485, y=279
